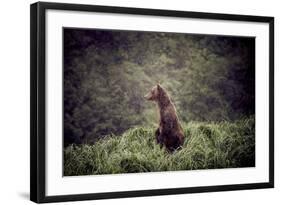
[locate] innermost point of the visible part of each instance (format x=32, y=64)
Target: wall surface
x=14, y=104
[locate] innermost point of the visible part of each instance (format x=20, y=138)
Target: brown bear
x=169, y=132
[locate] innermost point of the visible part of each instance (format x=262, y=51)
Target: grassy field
x=206, y=146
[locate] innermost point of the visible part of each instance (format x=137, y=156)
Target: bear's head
x=153, y=93
x=158, y=94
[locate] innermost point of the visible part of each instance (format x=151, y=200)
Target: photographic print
x=133, y=102
x=137, y=101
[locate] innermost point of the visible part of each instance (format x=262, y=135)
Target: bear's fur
x=169, y=132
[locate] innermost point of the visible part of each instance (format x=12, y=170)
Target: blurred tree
x=107, y=73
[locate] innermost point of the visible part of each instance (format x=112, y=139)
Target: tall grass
x=207, y=146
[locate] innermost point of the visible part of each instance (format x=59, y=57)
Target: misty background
x=107, y=73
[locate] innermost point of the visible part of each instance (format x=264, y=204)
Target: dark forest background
x=107, y=73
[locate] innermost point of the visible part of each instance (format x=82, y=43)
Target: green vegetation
x=109, y=126
x=207, y=145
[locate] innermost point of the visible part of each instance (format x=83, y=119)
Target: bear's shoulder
x=169, y=113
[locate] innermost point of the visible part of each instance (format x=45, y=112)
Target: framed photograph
x=129, y=102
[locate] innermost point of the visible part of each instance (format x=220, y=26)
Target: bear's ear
x=158, y=86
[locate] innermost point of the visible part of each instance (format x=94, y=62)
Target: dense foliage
x=207, y=146
x=107, y=73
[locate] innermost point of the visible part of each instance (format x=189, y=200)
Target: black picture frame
x=38, y=100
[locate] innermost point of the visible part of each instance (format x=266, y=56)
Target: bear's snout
x=148, y=96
